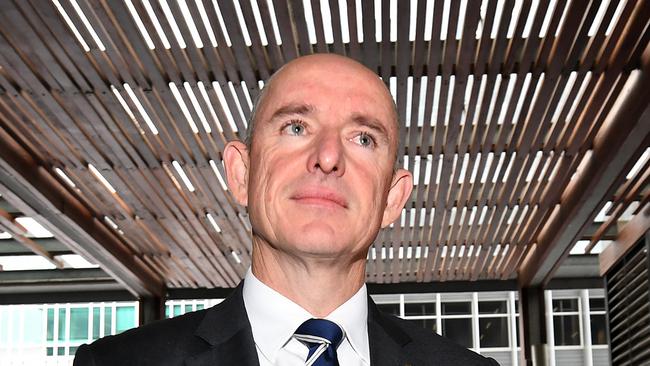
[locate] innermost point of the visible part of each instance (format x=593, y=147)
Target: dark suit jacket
x=222, y=336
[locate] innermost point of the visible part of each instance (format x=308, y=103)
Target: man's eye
x=295, y=128
x=365, y=140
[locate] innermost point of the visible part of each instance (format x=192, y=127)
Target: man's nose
x=327, y=155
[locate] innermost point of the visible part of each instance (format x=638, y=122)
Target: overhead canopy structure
x=519, y=119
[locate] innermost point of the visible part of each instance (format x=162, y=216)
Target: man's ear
x=400, y=190
x=236, y=161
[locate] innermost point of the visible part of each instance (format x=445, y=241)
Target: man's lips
x=320, y=196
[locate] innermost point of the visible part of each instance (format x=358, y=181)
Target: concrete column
x=151, y=309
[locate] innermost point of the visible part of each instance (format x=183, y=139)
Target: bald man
x=317, y=175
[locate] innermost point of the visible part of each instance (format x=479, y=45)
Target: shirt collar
x=274, y=318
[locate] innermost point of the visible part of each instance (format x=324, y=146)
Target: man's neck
x=317, y=285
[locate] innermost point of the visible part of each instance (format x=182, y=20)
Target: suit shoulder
x=435, y=347
x=154, y=343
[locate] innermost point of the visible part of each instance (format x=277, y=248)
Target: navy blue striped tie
x=322, y=337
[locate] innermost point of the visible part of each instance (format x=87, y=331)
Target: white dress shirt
x=274, y=318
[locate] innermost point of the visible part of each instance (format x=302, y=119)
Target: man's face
x=321, y=160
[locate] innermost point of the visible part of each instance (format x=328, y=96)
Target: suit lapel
x=386, y=340
x=228, y=334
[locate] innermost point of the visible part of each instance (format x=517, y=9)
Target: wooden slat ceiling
x=129, y=107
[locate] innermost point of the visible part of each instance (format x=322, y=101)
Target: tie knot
x=320, y=331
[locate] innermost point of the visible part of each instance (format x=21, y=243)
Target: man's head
x=318, y=176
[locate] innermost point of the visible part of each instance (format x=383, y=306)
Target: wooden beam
x=634, y=230
x=29, y=187
x=51, y=245
x=18, y=232
x=625, y=131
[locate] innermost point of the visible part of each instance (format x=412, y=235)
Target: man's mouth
x=319, y=196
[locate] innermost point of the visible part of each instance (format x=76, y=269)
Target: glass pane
x=61, y=324
x=188, y=308
x=108, y=317
x=456, y=308
x=96, y=322
x=199, y=306
x=458, y=330
x=493, y=332
x=177, y=310
x=50, y=324
x=389, y=308
x=125, y=318
x=429, y=324
x=73, y=350
x=427, y=308
x=49, y=351
x=492, y=307
x=564, y=305
x=567, y=330
x=78, y=324
x=33, y=325
x=598, y=329
x=597, y=304
x=60, y=351
x=167, y=312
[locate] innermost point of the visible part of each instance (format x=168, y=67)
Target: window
x=493, y=324
x=598, y=321
x=392, y=309
x=457, y=322
x=566, y=322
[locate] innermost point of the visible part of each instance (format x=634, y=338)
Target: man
x=317, y=175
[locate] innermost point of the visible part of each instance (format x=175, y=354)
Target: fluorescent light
x=436, y=100
x=531, y=19
x=427, y=169
x=423, y=214
x=450, y=95
x=101, y=178
x=184, y=177
x=409, y=100
x=327, y=21
x=190, y=23
x=231, y=86
x=75, y=261
x=309, y=19
x=483, y=213
x=444, y=26
x=197, y=107
x=516, y=12
x=598, y=18
x=463, y=213
x=359, y=20
x=242, y=23
x=236, y=257
x=461, y=19
x=523, y=215
x=413, y=17
x=127, y=109
x=218, y=174
x=486, y=169
x=343, y=13
x=141, y=109
x=533, y=167
x=65, y=177
x=172, y=22
x=24, y=263
x=274, y=21
x=617, y=14
x=513, y=214
x=424, y=80
x=463, y=169
x=213, y=114
x=578, y=96
x=417, y=160
x=497, y=19
x=412, y=217
x=477, y=162
x=506, y=101
x=563, y=98
x=507, y=173
x=140, y=24
x=34, y=229
x=206, y=22
x=472, y=215
x=224, y=105
x=402, y=222
x=71, y=25
x=452, y=215
x=439, y=173
x=110, y=222
x=378, y=21
x=249, y=101
x=392, y=82
x=89, y=27
x=156, y=24
x=393, y=20
x=184, y=109
x=639, y=163
x=258, y=22
x=564, y=13
x=222, y=24
x=213, y=222
x=547, y=19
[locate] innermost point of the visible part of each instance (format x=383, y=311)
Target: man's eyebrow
x=372, y=123
x=292, y=109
